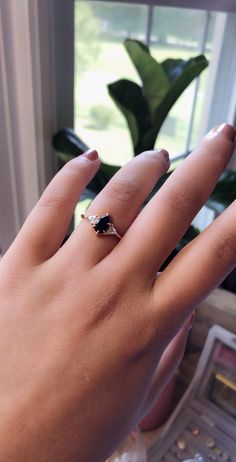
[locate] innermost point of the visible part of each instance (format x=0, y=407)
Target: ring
x=102, y=224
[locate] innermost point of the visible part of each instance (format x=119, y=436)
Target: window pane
x=202, y=86
x=100, y=58
x=178, y=33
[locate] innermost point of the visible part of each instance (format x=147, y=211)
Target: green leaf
x=152, y=74
x=129, y=42
x=157, y=186
x=68, y=145
x=109, y=170
x=190, y=234
x=128, y=96
x=65, y=157
x=66, y=141
x=181, y=74
x=104, y=174
x=175, y=67
x=224, y=193
x=189, y=71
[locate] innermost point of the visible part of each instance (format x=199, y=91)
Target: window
x=100, y=58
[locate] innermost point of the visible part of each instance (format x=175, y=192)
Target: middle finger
x=121, y=198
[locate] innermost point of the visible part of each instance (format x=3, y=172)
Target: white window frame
x=221, y=86
x=36, y=95
x=210, y=5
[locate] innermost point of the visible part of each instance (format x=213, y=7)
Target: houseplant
x=146, y=106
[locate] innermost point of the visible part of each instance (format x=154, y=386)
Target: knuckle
x=123, y=190
x=184, y=199
x=224, y=249
x=73, y=167
x=146, y=344
x=53, y=200
x=144, y=336
x=107, y=303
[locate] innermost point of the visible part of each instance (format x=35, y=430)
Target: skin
x=89, y=334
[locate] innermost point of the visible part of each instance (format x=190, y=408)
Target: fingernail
x=91, y=154
x=163, y=152
x=228, y=131
x=191, y=320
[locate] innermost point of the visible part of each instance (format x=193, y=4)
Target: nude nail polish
x=228, y=131
x=164, y=153
x=91, y=154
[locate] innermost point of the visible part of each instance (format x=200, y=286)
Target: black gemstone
x=103, y=224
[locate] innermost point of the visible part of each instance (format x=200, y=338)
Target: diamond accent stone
x=94, y=219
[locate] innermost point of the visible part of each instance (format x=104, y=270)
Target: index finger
x=162, y=223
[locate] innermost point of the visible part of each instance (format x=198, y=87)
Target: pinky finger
x=166, y=369
x=200, y=267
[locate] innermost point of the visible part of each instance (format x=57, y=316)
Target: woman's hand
x=83, y=326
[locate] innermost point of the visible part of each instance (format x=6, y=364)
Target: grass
x=113, y=143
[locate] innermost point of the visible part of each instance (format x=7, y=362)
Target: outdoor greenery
x=101, y=117
x=87, y=26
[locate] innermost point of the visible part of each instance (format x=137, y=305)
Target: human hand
x=83, y=326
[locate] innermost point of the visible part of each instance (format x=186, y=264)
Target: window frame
x=228, y=6
x=36, y=94
x=221, y=101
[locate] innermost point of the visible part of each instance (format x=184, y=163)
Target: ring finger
x=167, y=216
x=121, y=198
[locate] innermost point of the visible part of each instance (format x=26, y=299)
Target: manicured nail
x=165, y=154
x=228, y=131
x=91, y=154
x=191, y=320
x=162, y=152
x=212, y=133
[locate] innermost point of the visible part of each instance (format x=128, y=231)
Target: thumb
x=168, y=365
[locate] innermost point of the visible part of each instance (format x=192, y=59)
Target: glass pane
x=100, y=58
x=178, y=33
x=202, y=85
